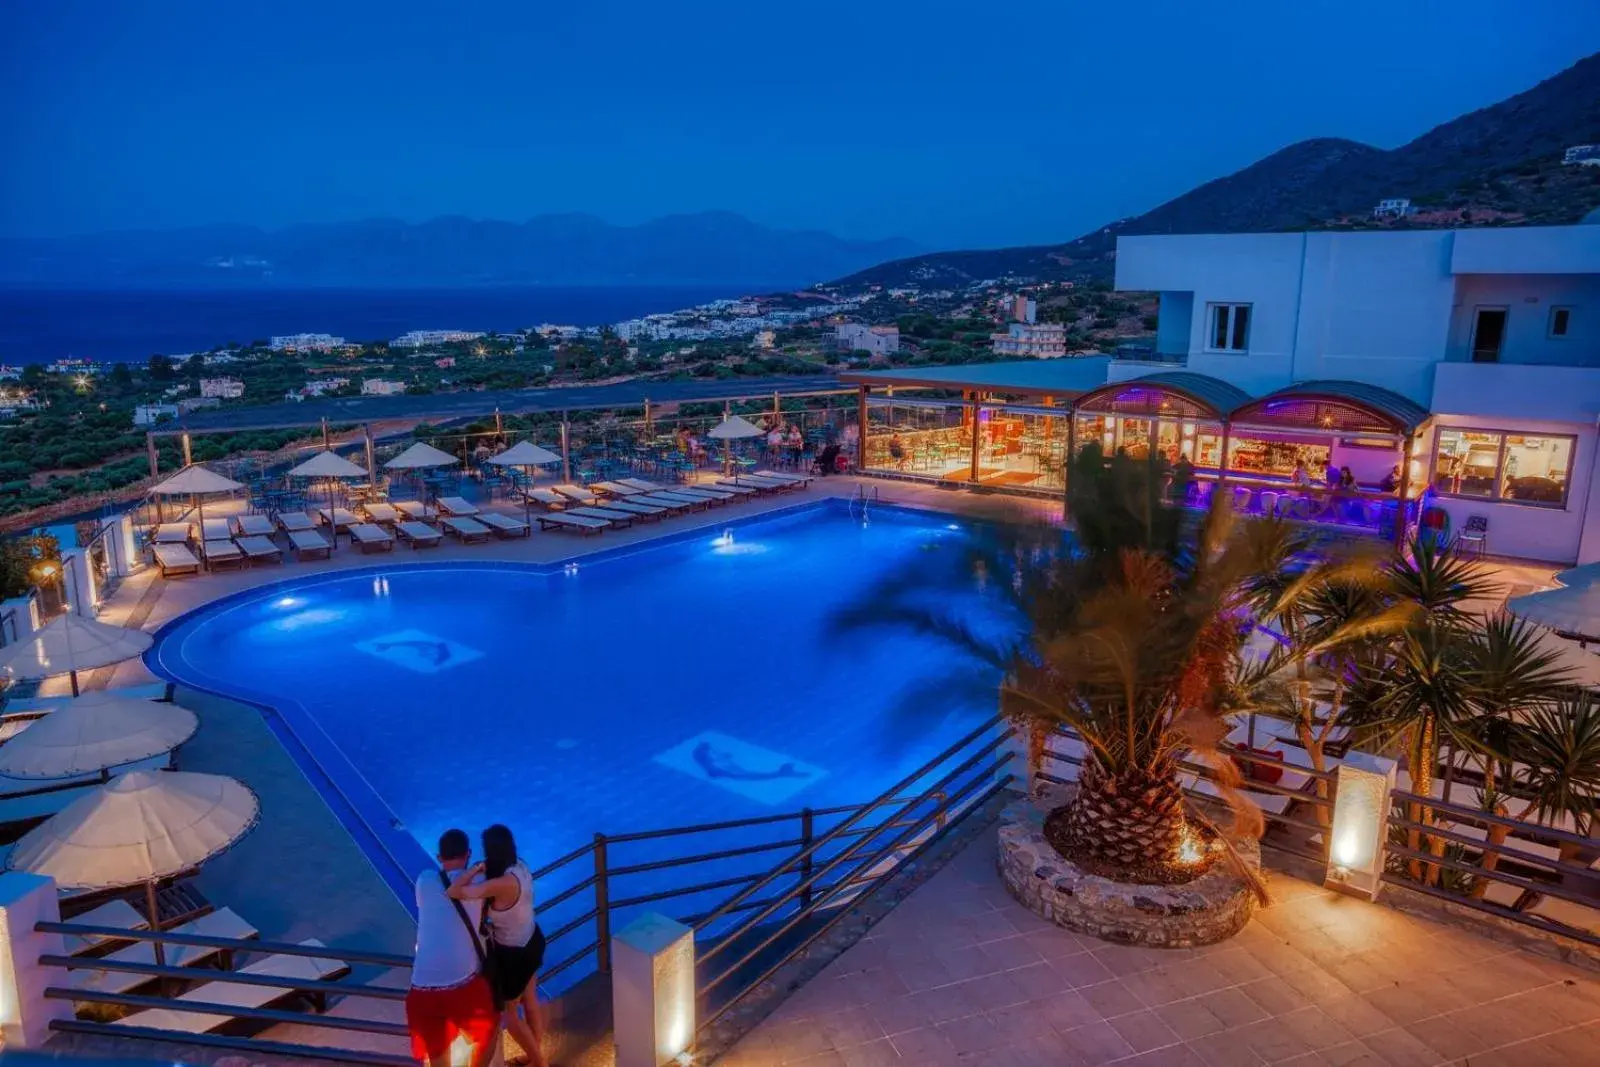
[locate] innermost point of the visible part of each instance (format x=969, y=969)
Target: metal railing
x=1452, y=864
x=756, y=890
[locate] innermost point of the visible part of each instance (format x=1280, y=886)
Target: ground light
x=652, y=992
x=1360, y=824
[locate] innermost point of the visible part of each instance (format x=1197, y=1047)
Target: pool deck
x=934, y=983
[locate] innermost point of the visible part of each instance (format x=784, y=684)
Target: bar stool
x=1241, y=498
x=1269, y=502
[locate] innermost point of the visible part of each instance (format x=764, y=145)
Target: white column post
x=81, y=593
x=652, y=991
x=25, y=1014
x=1360, y=828
x=125, y=551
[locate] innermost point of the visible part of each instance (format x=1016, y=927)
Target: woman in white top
x=514, y=928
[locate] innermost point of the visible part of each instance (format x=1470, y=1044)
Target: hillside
x=708, y=248
x=1495, y=166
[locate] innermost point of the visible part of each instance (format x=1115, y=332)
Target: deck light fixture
x=1360, y=825
x=652, y=992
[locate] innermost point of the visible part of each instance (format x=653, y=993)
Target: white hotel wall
x=1530, y=400
x=1528, y=299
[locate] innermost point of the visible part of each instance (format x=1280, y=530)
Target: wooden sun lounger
x=215, y=530
x=615, y=518
x=717, y=491
x=380, y=512
x=577, y=494
x=784, y=476
x=676, y=503
x=465, y=529
x=224, y=922
x=415, y=510
x=371, y=538
x=175, y=559
x=240, y=995
x=115, y=914
x=642, y=484
x=709, y=499
x=505, y=525
x=733, y=485
x=294, y=521
x=253, y=526
x=418, y=534
x=645, y=512
x=455, y=505
x=338, y=518
x=259, y=548
x=755, y=482
x=171, y=533
x=222, y=554
x=308, y=544
x=547, y=497
x=561, y=520
x=616, y=489
x=21, y=813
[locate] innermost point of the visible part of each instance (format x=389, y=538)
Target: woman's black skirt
x=515, y=967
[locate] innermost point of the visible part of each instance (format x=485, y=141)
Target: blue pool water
x=692, y=682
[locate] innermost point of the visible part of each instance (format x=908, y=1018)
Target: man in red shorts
x=449, y=995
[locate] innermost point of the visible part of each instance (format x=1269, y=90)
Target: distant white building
x=316, y=387
x=150, y=414
x=9, y=373
x=305, y=342
x=423, y=338
x=858, y=336
x=1019, y=308
x=381, y=387
x=75, y=366
x=766, y=338
x=12, y=402
x=1029, y=340
x=1582, y=155
x=1397, y=207
x=222, y=388
x=634, y=330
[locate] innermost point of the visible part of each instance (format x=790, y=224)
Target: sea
x=39, y=325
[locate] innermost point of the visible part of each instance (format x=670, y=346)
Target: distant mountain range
x=1498, y=165
x=711, y=248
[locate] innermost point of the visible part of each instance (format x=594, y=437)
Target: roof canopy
x=1334, y=407
x=1181, y=394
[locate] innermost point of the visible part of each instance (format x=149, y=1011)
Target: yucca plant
x=1558, y=747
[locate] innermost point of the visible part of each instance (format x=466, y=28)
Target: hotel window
x=1230, y=327
x=1560, y=321
x=1522, y=468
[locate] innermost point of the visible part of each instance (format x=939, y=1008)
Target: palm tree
x=1558, y=745
x=1131, y=640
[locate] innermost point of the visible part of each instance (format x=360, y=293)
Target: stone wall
x=1211, y=908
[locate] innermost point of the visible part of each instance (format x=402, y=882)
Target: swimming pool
x=693, y=680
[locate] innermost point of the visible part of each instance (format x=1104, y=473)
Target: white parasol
x=524, y=454
x=1588, y=574
x=196, y=481
x=69, y=644
x=140, y=827
x=1571, y=610
x=419, y=456
x=733, y=428
x=327, y=465
x=95, y=732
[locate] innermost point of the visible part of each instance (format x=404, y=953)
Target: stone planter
x=1209, y=909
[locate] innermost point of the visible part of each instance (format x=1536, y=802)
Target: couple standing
x=479, y=947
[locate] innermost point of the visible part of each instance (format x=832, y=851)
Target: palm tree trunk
x=1313, y=746
x=1493, y=839
x=1038, y=738
x=1421, y=760
x=1123, y=822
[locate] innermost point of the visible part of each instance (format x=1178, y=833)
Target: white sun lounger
x=548, y=497
x=615, y=518
x=259, y=548
x=641, y=484
x=734, y=486
x=338, y=518
x=465, y=529
x=561, y=520
x=380, y=512
x=616, y=489
x=175, y=559
x=717, y=491
x=116, y=914
x=292, y=521
x=711, y=499
x=784, y=476
x=238, y=994
x=577, y=493
x=371, y=538
x=418, y=534
x=455, y=505
x=308, y=544
x=224, y=922
x=222, y=553
x=252, y=526
x=37, y=807
x=676, y=503
x=753, y=483
x=171, y=533
x=504, y=525
x=215, y=530
x=415, y=509
x=646, y=512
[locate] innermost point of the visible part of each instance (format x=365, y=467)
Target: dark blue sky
x=955, y=124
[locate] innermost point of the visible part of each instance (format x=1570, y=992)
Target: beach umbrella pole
x=155, y=921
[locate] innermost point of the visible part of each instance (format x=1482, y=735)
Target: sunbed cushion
x=417, y=531
x=367, y=533
x=562, y=518
x=504, y=523
x=309, y=541
x=224, y=922
x=304, y=968
x=175, y=557
x=456, y=505
x=295, y=520
x=253, y=525
x=259, y=547
x=464, y=526
x=171, y=533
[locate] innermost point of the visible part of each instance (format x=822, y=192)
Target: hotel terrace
x=611, y=618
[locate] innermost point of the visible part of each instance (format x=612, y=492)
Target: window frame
x=1550, y=323
x=1497, y=496
x=1216, y=307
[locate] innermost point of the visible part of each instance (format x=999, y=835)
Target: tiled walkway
x=959, y=973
